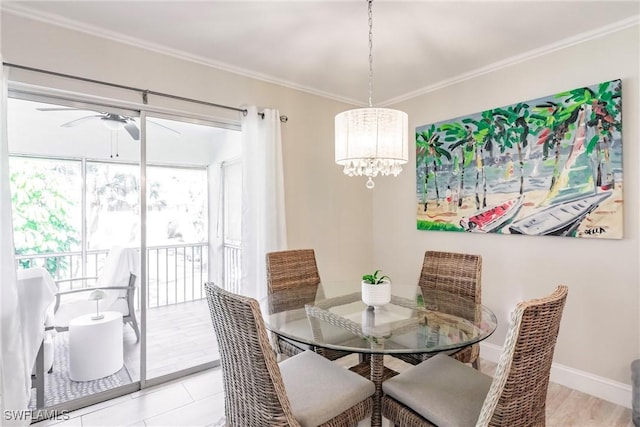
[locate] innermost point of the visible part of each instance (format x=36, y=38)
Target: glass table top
x=413, y=322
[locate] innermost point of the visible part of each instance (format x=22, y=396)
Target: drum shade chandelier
x=371, y=141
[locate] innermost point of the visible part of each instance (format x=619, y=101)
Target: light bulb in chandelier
x=371, y=141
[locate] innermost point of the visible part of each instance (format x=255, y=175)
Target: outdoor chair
x=303, y=390
x=293, y=281
x=118, y=280
x=459, y=274
x=442, y=391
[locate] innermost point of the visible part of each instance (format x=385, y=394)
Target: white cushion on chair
x=78, y=304
x=319, y=390
x=442, y=390
x=117, y=270
x=119, y=265
x=120, y=305
x=72, y=309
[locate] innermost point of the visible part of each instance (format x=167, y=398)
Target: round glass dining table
x=413, y=322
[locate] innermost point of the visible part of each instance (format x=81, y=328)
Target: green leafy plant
x=373, y=279
x=44, y=210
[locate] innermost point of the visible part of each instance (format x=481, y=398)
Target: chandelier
x=371, y=141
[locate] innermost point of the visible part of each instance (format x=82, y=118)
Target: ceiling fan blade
x=80, y=121
x=133, y=130
x=163, y=126
x=57, y=109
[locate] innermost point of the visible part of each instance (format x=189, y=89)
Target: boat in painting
x=572, y=197
x=560, y=219
x=493, y=218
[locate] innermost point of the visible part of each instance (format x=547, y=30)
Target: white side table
x=95, y=346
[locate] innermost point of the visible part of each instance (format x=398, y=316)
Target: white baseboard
x=600, y=387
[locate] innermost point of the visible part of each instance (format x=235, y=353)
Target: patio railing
x=232, y=266
x=176, y=273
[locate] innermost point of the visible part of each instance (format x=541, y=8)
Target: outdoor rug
x=58, y=388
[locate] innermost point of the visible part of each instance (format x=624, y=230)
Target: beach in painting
x=549, y=166
x=603, y=222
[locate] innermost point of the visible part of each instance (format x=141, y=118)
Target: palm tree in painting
x=604, y=119
x=554, y=123
x=460, y=139
x=429, y=142
x=421, y=160
x=514, y=129
x=483, y=138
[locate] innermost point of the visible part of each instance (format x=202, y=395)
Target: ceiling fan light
x=113, y=124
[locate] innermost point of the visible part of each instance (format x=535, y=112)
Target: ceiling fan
x=111, y=120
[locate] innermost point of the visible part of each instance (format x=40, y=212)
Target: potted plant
x=376, y=289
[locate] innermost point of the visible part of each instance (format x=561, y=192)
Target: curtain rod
x=143, y=92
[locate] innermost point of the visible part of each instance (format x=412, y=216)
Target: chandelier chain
x=370, y=2
x=371, y=141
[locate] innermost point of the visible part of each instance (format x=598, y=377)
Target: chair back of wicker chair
x=518, y=392
x=459, y=274
x=292, y=279
x=453, y=272
x=254, y=392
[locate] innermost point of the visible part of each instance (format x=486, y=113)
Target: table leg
x=377, y=370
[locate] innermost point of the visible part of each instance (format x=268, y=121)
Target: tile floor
x=198, y=400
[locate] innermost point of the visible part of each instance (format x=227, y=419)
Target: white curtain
x=214, y=179
x=15, y=378
x=263, y=215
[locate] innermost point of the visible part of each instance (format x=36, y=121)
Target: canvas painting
x=551, y=166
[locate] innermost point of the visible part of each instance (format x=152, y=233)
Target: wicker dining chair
x=293, y=281
x=456, y=273
x=442, y=391
x=303, y=390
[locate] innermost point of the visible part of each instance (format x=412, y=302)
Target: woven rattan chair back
x=254, y=393
x=460, y=274
x=519, y=389
x=292, y=279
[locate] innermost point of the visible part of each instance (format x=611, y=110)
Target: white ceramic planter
x=376, y=295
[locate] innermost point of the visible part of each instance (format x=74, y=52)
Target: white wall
x=600, y=327
x=325, y=209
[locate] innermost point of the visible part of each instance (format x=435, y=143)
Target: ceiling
x=322, y=46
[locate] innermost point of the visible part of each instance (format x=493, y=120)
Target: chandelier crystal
x=371, y=141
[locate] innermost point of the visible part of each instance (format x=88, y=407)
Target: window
x=46, y=200
x=177, y=205
x=113, y=205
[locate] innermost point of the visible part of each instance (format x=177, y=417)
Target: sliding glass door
x=75, y=186
x=181, y=177
x=107, y=197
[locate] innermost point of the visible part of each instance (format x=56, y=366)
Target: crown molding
x=525, y=56
x=25, y=12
